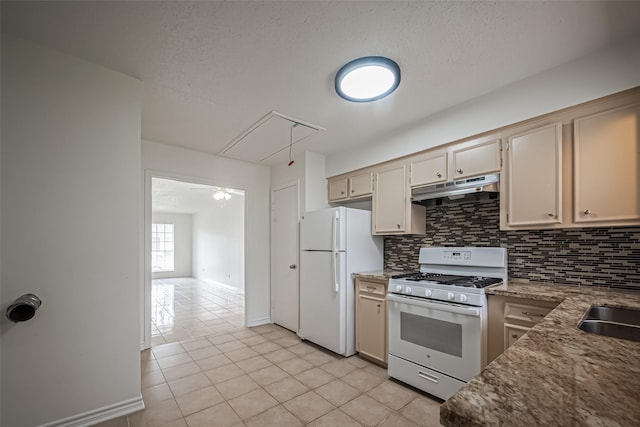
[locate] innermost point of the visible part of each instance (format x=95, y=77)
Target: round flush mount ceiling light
x=367, y=79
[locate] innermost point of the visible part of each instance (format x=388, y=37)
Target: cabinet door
x=480, y=159
x=390, y=202
x=361, y=185
x=371, y=330
x=607, y=166
x=429, y=171
x=534, y=177
x=338, y=190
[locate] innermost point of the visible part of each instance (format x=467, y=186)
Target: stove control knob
x=407, y=290
x=427, y=293
x=463, y=298
x=451, y=296
x=398, y=288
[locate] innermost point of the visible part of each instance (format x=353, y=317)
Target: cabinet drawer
x=512, y=333
x=372, y=288
x=525, y=313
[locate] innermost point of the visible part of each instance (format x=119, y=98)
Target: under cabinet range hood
x=457, y=189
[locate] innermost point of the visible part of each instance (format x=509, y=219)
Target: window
x=162, y=247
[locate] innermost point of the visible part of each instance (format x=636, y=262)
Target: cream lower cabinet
x=606, y=151
x=510, y=318
x=371, y=319
x=533, y=181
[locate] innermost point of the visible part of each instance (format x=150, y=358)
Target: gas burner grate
x=448, y=279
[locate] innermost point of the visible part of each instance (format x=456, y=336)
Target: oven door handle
x=449, y=308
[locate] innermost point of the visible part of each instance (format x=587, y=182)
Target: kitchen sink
x=626, y=316
x=615, y=322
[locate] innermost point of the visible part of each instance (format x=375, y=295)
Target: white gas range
x=438, y=317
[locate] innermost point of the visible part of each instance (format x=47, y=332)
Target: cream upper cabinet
x=473, y=159
x=607, y=166
x=338, y=190
x=428, y=170
x=533, y=178
x=390, y=201
x=361, y=185
x=393, y=212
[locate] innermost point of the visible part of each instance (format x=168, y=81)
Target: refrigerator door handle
x=335, y=271
x=334, y=231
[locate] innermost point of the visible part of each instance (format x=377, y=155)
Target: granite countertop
x=556, y=374
x=379, y=274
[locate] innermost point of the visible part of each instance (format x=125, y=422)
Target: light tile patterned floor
x=261, y=376
x=183, y=308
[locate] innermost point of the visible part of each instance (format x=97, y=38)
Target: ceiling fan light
x=219, y=195
x=367, y=79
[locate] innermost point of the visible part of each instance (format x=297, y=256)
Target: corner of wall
x=315, y=181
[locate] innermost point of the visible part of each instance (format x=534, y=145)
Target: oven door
x=442, y=336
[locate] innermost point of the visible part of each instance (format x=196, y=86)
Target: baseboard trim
x=258, y=322
x=100, y=415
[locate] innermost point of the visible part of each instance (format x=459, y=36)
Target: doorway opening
x=195, y=246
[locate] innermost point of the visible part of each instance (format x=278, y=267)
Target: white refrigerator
x=334, y=244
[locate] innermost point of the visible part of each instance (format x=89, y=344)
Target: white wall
x=608, y=71
x=315, y=195
x=309, y=170
x=183, y=243
x=218, y=243
x=254, y=179
x=70, y=221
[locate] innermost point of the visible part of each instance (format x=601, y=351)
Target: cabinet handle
x=459, y=170
x=342, y=192
x=439, y=175
x=398, y=226
x=373, y=288
x=514, y=336
x=528, y=313
x=550, y=214
x=587, y=212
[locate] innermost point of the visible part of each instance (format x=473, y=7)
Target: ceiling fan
x=219, y=193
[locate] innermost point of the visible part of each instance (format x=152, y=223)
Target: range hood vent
x=457, y=189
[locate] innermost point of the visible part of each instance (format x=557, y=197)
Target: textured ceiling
x=170, y=196
x=212, y=69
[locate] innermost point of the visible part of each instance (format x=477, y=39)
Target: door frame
x=296, y=184
x=145, y=237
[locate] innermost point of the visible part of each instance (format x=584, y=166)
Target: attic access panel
x=267, y=137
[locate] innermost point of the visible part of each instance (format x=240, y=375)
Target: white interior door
x=284, y=256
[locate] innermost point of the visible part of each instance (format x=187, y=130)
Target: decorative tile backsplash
x=582, y=256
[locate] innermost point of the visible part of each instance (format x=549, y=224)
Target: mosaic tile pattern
x=607, y=257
